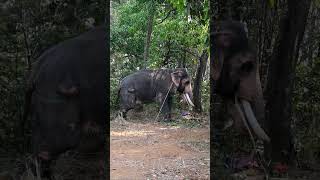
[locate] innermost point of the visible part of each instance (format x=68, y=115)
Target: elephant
x=235, y=71
x=66, y=97
x=154, y=85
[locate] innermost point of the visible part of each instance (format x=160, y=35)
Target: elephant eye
x=247, y=67
x=187, y=82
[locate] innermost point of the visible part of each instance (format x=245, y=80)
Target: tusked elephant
x=154, y=86
x=66, y=97
x=236, y=73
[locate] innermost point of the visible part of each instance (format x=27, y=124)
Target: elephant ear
x=217, y=65
x=176, y=77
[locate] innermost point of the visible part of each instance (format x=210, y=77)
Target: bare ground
x=153, y=150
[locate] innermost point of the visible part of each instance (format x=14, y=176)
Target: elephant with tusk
x=235, y=71
x=154, y=85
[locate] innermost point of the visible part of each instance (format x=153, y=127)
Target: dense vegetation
x=178, y=38
x=286, y=38
x=28, y=28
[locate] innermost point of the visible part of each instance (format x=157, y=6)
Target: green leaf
x=271, y=3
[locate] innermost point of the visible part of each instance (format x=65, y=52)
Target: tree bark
x=198, y=81
x=149, y=32
x=215, y=105
x=280, y=81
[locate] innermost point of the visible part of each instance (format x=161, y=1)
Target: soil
x=153, y=150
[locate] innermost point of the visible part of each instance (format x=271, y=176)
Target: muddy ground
x=146, y=149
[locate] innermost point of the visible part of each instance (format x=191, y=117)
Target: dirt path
x=158, y=151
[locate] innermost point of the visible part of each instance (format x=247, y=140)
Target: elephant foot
x=121, y=118
x=167, y=118
x=122, y=115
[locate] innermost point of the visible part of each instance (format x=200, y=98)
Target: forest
x=154, y=35
x=28, y=29
x=285, y=36
x=147, y=34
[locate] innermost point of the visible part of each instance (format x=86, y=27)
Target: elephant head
x=236, y=72
x=182, y=83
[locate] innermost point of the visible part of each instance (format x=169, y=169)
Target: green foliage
x=178, y=4
x=306, y=108
x=272, y=3
x=175, y=42
x=317, y=3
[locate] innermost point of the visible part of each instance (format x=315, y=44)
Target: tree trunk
x=198, y=80
x=168, y=53
x=215, y=104
x=280, y=81
x=149, y=32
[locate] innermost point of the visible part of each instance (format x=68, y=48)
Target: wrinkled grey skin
x=152, y=86
x=66, y=96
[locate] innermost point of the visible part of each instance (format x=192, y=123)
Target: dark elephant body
x=147, y=86
x=67, y=96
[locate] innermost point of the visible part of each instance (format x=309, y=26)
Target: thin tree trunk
x=318, y=49
x=198, y=81
x=149, y=32
x=168, y=54
x=280, y=81
x=188, y=15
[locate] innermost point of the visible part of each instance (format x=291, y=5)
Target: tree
x=198, y=80
x=152, y=8
x=281, y=79
x=176, y=41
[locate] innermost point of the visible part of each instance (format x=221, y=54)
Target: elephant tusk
x=187, y=97
x=241, y=113
x=253, y=121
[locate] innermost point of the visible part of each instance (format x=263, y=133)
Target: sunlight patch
x=132, y=133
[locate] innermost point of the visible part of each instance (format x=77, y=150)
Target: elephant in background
x=154, y=86
x=235, y=71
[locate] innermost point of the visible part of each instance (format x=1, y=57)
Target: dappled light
x=132, y=133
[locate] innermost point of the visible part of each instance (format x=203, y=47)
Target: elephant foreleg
x=166, y=108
